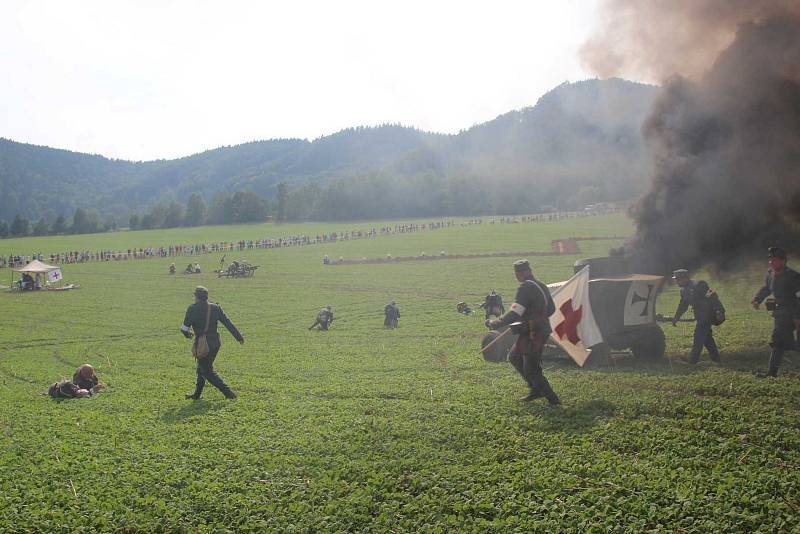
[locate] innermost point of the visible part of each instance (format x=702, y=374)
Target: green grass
x=363, y=429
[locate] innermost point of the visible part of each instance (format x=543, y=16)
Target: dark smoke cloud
x=725, y=133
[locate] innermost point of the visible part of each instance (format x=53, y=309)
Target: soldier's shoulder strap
x=549, y=305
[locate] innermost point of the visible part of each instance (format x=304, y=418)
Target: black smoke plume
x=725, y=133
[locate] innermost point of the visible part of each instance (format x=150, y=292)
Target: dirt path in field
x=558, y=247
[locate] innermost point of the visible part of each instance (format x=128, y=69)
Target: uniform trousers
x=782, y=340
x=206, y=372
x=526, y=357
x=703, y=337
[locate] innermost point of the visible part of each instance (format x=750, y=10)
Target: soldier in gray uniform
x=324, y=319
x=391, y=315
x=533, y=306
x=493, y=305
x=783, y=284
x=707, y=310
x=196, y=320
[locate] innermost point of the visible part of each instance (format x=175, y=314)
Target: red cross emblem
x=569, y=326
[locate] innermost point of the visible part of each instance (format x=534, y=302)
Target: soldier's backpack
x=717, y=309
x=200, y=348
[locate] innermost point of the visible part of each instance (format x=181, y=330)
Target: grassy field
x=368, y=430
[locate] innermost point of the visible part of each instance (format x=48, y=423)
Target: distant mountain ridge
x=579, y=135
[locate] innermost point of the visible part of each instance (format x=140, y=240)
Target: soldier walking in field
x=324, y=319
x=783, y=284
x=202, y=317
x=532, y=306
x=391, y=315
x=708, y=311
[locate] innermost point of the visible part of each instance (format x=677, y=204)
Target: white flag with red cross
x=573, y=324
x=54, y=275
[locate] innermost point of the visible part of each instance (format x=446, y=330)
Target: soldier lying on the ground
x=66, y=389
x=84, y=383
x=463, y=307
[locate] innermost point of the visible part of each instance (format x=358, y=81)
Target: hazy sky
x=163, y=79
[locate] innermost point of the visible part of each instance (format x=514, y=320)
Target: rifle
x=502, y=334
x=663, y=319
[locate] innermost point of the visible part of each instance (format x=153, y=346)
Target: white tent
x=36, y=267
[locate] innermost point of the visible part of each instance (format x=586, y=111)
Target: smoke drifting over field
x=725, y=133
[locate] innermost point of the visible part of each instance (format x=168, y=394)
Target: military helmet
x=776, y=252
x=680, y=273
x=520, y=266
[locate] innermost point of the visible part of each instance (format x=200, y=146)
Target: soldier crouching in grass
x=202, y=317
x=324, y=319
x=532, y=306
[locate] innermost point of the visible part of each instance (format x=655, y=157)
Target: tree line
x=83, y=221
x=375, y=195
x=239, y=207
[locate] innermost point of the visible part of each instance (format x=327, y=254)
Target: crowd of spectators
x=83, y=256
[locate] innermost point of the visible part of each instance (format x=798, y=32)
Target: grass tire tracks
x=111, y=337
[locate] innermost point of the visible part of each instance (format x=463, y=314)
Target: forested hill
x=581, y=142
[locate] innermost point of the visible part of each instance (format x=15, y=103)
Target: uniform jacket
x=785, y=287
x=196, y=319
x=701, y=298
x=532, y=301
x=325, y=316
